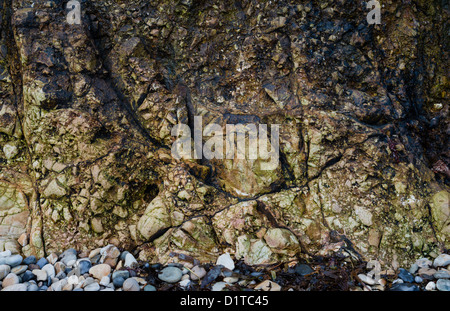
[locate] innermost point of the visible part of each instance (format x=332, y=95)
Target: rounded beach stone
x=170, y=275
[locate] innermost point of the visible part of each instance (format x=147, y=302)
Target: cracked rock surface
x=86, y=114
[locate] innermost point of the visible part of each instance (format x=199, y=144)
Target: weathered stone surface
x=87, y=111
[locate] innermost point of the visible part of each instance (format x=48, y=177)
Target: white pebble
x=430, y=286
x=130, y=261
x=105, y=280
x=226, y=261
x=73, y=279
x=366, y=279
x=217, y=287
x=184, y=282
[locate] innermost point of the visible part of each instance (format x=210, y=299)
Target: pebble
x=226, y=261
x=109, y=251
x=27, y=276
x=12, y=261
x=218, y=286
x=231, y=279
x=149, y=288
x=42, y=262
x=32, y=288
x=52, y=258
x=413, y=268
x=443, y=285
x=424, y=263
x=100, y=270
x=184, y=283
x=50, y=270
x=94, y=252
x=105, y=281
x=6, y=253
x=93, y=287
x=170, y=275
x=366, y=279
x=30, y=260
x=197, y=273
x=87, y=282
x=268, y=285
x=4, y=271
x=59, y=267
x=19, y=269
x=125, y=274
x=84, y=266
x=442, y=274
x=69, y=259
x=73, y=279
x=302, y=269
x=57, y=286
x=130, y=261
x=426, y=272
x=406, y=276
x=430, y=286
x=131, y=285
x=118, y=281
x=10, y=279
x=418, y=279
x=442, y=260
x=404, y=287
x=41, y=275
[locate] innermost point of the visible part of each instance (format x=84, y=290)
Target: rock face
x=87, y=111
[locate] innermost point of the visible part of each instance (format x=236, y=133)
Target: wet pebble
x=442, y=260
x=302, y=269
x=443, y=285
x=170, y=275
x=131, y=285
x=405, y=275
x=404, y=287
x=118, y=281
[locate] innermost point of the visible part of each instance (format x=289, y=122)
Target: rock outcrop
x=87, y=111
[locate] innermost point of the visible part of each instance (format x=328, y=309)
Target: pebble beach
x=109, y=269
